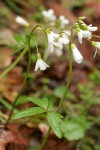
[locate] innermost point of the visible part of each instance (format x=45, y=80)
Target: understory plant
x=56, y=40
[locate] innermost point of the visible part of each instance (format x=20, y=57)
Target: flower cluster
x=52, y=20
x=82, y=30
x=49, y=15
x=85, y=31
x=56, y=41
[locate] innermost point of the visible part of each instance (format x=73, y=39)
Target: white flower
x=78, y=58
x=52, y=44
x=96, y=44
x=63, y=38
x=40, y=64
x=52, y=36
x=64, y=21
x=90, y=28
x=84, y=33
x=21, y=21
x=55, y=46
x=56, y=41
x=49, y=15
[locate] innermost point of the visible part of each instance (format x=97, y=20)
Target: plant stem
x=25, y=79
x=69, y=78
x=22, y=88
x=63, y=98
x=45, y=139
x=13, y=64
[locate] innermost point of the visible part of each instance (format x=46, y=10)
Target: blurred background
x=82, y=105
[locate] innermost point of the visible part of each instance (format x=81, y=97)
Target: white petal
x=21, y=21
x=59, y=52
x=36, y=66
x=40, y=64
x=63, y=40
x=67, y=32
x=52, y=36
x=45, y=64
x=92, y=28
x=55, y=35
x=51, y=47
x=51, y=11
x=61, y=17
x=98, y=45
x=87, y=34
x=77, y=55
x=80, y=36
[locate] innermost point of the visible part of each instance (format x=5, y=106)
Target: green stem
x=45, y=139
x=96, y=36
x=22, y=88
x=69, y=78
x=63, y=98
x=13, y=64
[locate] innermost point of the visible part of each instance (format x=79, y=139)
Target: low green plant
x=75, y=125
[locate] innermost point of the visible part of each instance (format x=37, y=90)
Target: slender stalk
x=96, y=36
x=63, y=98
x=22, y=88
x=20, y=56
x=69, y=78
x=45, y=139
x=13, y=64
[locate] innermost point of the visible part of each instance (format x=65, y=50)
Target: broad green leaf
x=74, y=128
x=44, y=103
x=28, y=112
x=19, y=38
x=54, y=120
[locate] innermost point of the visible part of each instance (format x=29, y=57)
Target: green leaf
x=54, y=120
x=19, y=38
x=44, y=103
x=74, y=128
x=29, y=112
x=17, y=50
x=7, y=105
x=22, y=99
x=59, y=92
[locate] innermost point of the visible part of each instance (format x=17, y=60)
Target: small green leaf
x=17, y=50
x=44, y=103
x=54, y=120
x=19, y=38
x=28, y=112
x=7, y=105
x=22, y=99
x=59, y=92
